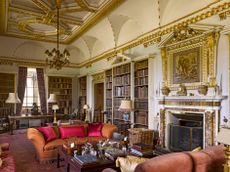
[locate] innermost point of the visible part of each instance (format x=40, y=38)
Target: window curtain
x=22, y=76
x=42, y=90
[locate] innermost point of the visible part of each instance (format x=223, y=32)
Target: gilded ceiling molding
x=84, y=5
x=42, y=5
x=153, y=36
x=224, y=15
x=95, y=19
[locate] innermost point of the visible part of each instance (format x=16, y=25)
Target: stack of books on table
x=142, y=150
x=86, y=159
x=113, y=153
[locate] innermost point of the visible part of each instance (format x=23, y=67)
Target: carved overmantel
x=208, y=106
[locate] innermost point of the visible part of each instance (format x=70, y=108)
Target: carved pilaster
x=162, y=127
x=165, y=66
x=210, y=125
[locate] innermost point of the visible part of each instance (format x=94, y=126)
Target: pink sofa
x=9, y=164
x=208, y=160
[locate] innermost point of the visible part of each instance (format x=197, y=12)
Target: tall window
x=31, y=90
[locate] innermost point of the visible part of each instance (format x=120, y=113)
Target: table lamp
x=126, y=107
x=53, y=99
x=86, y=107
x=223, y=137
x=13, y=99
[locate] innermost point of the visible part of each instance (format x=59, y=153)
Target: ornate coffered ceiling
x=36, y=19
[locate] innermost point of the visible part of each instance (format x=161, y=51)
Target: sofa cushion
x=76, y=131
x=94, y=129
x=54, y=144
x=129, y=163
x=48, y=133
x=76, y=140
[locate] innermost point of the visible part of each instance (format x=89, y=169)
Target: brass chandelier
x=56, y=59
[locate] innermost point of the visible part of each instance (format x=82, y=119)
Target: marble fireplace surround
x=208, y=106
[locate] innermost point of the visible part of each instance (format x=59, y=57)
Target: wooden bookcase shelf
x=141, y=94
x=7, y=85
x=121, y=90
x=82, y=96
x=108, y=94
x=62, y=87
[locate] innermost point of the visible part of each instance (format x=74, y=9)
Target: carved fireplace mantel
x=208, y=106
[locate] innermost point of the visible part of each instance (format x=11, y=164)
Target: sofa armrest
x=108, y=130
x=36, y=138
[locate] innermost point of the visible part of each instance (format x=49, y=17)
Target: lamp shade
x=13, y=98
x=55, y=107
x=52, y=98
x=86, y=107
x=223, y=136
x=126, y=105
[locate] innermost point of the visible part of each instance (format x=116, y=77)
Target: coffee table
x=72, y=164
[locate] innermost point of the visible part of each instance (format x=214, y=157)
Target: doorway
x=98, y=102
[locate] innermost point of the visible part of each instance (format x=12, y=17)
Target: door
x=98, y=102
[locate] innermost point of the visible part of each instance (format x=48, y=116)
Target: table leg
x=58, y=160
x=67, y=167
x=11, y=126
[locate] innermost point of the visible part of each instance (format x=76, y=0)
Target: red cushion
x=48, y=133
x=94, y=129
x=78, y=131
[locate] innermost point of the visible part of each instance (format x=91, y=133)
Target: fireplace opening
x=185, y=131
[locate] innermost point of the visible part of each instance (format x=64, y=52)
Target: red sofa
x=209, y=160
x=9, y=164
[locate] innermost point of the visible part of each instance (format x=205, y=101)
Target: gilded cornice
x=153, y=36
x=25, y=62
x=99, y=77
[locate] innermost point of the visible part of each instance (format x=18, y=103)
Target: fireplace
x=187, y=122
x=185, y=132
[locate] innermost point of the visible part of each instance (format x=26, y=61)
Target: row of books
x=117, y=101
x=108, y=78
x=57, y=79
x=142, y=119
x=121, y=69
x=108, y=93
x=109, y=85
x=141, y=65
x=141, y=81
x=141, y=105
x=141, y=92
x=122, y=91
x=108, y=102
x=122, y=80
x=143, y=72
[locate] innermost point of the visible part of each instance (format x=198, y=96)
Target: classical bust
x=182, y=90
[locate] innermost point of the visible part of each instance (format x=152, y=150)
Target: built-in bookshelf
x=121, y=89
x=141, y=94
x=108, y=94
x=62, y=87
x=82, y=96
x=7, y=85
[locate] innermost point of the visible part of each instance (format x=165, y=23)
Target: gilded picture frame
x=186, y=66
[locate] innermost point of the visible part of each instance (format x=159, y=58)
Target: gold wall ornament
x=182, y=91
x=203, y=89
x=99, y=77
x=165, y=90
x=189, y=58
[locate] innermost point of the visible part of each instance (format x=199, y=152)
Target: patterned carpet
x=24, y=153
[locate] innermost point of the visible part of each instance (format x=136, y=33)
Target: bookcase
x=82, y=96
x=108, y=94
x=141, y=94
x=7, y=85
x=62, y=87
x=121, y=90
